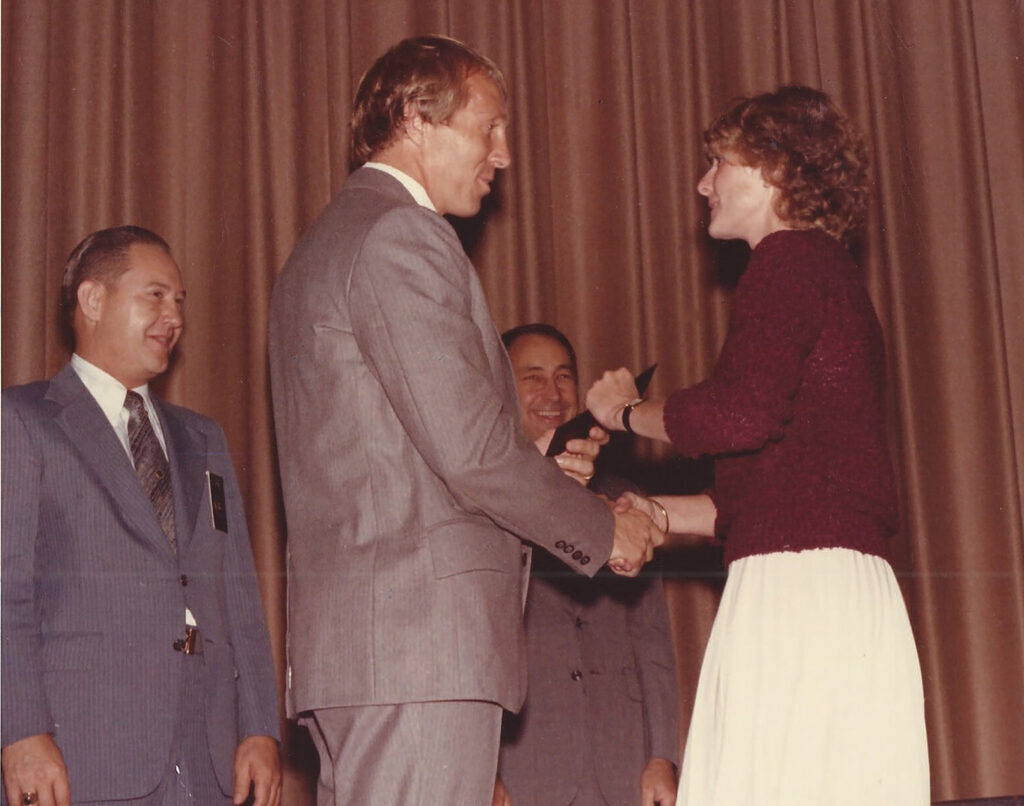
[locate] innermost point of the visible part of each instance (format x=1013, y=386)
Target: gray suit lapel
x=99, y=448
x=186, y=453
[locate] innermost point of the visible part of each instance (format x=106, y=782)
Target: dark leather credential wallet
x=579, y=426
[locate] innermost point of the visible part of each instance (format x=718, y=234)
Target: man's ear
x=91, y=295
x=414, y=127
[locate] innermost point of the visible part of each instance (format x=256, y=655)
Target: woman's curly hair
x=807, y=148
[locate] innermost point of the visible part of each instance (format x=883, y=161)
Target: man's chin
x=157, y=365
x=468, y=211
x=540, y=429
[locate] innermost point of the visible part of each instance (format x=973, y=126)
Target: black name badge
x=218, y=506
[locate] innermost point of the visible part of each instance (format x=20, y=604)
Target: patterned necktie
x=150, y=463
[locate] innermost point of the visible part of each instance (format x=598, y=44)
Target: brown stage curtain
x=224, y=127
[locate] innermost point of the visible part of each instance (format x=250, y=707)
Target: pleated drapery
x=223, y=126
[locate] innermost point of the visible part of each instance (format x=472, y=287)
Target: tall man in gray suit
x=135, y=660
x=600, y=726
x=408, y=483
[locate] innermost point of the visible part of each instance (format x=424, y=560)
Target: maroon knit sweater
x=794, y=412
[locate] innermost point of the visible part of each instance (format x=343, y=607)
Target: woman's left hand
x=609, y=395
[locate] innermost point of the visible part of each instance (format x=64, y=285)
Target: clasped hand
x=636, y=535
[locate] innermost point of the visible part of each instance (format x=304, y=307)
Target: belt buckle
x=193, y=644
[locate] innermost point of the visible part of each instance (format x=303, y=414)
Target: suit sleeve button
x=560, y=544
x=577, y=555
x=585, y=560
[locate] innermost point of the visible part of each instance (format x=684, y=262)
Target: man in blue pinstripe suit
x=136, y=665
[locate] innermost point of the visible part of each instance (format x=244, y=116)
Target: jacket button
x=576, y=674
x=179, y=645
x=183, y=580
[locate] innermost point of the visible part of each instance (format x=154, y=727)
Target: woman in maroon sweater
x=810, y=691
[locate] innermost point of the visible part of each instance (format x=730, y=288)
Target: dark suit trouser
x=411, y=754
x=588, y=792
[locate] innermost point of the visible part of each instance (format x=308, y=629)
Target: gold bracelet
x=664, y=512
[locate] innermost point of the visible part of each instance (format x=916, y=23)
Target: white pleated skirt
x=810, y=691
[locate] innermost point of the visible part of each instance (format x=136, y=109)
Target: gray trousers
x=411, y=754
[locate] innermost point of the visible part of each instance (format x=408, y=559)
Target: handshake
x=641, y=525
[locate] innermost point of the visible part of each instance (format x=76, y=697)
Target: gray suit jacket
x=94, y=597
x=602, y=698
x=408, y=483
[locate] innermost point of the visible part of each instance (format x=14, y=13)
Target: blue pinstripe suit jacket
x=94, y=598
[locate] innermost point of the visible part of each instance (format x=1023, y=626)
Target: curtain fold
x=224, y=127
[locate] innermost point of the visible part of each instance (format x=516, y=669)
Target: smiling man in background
x=600, y=726
x=136, y=664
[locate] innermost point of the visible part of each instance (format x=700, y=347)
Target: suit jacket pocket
x=459, y=546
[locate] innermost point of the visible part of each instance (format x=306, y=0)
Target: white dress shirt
x=417, y=190
x=109, y=393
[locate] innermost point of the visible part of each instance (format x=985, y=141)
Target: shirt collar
x=417, y=190
x=105, y=388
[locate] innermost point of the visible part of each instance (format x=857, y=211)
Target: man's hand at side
x=35, y=764
x=258, y=762
x=658, y=783
x=500, y=797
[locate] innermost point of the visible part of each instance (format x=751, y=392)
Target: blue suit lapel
x=88, y=429
x=186, y=453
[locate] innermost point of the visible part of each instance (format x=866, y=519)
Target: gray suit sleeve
x=25, y=708
x=412, y=305
x=258, y=713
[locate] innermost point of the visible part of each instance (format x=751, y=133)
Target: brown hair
x=101, y=256
x=425, y=75
x=807, y=148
